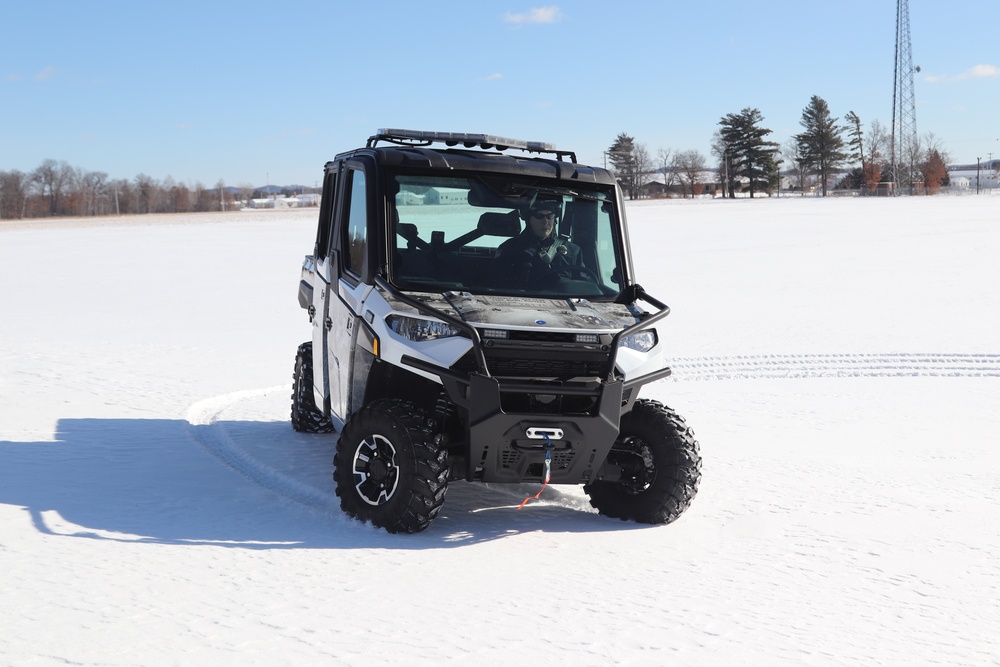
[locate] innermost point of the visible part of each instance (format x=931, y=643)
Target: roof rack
x=484, y=141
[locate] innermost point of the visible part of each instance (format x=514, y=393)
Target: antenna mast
x=904, y=143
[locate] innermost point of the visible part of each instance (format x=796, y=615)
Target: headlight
x=641, y=341
x=416, y=329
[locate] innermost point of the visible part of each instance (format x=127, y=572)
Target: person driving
x=538, y=255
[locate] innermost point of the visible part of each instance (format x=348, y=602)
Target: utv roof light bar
x=466, y=140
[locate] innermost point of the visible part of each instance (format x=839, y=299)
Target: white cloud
x=981, y=72
x=493, y=77
x=46, y=74
x=977, y=72
x=550, y=14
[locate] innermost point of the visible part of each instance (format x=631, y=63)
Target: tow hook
x=543, y=433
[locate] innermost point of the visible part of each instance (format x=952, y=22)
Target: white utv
x=451, y=342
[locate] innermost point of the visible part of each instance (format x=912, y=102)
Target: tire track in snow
x=205, y=427
x=776, y=366
x=203, y=422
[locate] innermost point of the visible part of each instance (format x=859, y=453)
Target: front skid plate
x=501, y=449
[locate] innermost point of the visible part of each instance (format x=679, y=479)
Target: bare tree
x=204, y=200
x=93, y=189
x=246, y=192
x=124, y=194
x=664, y=161
x=643, y=165
x=876, y=145
x=14, y=186
x=51, y=178
x=792, y=153
x=144, y=193
x=691, y=165
x=721, y=152
x=933, y=144
x=180, y=198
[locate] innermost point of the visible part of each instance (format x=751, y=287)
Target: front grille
x=548, y=368
x=561, y=363
x=541, y=353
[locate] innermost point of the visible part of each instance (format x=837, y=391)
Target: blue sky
x=254, y=92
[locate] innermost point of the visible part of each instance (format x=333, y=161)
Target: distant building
x=658, y=187
x=281, y=201
x=966, y=179
x=446, y=196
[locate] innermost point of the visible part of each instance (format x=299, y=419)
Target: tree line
x=747, y=161
x=56, y=188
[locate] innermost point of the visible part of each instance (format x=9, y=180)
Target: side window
x=356, y=227
x=606, y=248
x=325, y=227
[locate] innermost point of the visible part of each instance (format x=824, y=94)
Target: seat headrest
x=499, y=224
x=407, y=230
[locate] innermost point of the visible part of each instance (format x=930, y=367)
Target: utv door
x=349, y=267
x=321, y=279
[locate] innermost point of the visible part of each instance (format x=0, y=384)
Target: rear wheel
x=388, y=468
x=660, y=463
x=306, y=417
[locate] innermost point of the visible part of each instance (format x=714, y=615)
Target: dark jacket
x=528, y=260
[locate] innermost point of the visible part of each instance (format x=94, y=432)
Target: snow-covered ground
x=839, y=361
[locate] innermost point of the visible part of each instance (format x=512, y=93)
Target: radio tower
x=904, y=144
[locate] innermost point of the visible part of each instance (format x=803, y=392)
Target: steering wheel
x=550, y=279
x=581, y=271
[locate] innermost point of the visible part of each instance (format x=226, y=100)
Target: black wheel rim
x=376, y=472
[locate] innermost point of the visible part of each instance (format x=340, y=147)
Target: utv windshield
x=495, y=234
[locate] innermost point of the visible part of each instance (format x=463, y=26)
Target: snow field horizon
x=837, y=360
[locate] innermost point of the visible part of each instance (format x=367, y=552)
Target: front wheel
x=660, y=463
x=388, y=469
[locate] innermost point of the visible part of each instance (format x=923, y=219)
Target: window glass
x=325, y=227
x=473, y=233
x=356, y=229
x=607, y=247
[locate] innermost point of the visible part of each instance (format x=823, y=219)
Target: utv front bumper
x=514, y=446
x=508, y=444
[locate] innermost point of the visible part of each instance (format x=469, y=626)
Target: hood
x=521, y=312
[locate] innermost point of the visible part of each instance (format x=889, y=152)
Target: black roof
x=457, y=151
x=423, y=157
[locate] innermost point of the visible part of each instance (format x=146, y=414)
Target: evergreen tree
x=622, y=155
x=855, y=137
x=822, y=142
x=745, y=151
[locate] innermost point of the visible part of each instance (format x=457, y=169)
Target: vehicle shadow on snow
x=160, y=481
